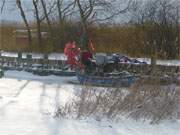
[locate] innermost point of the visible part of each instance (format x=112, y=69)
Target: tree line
x=152, y=27
x=160, y=22
x=57, y=13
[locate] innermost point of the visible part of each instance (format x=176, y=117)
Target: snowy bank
x=27, y=104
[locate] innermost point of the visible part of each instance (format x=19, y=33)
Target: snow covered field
x=28, y=102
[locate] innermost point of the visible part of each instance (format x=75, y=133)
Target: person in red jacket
x=72, y=51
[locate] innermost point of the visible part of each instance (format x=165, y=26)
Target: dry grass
x=142, y=101
x=155, y=99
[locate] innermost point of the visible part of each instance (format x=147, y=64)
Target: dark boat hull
x=121, y=81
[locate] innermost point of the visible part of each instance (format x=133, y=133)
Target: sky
x=11, y=11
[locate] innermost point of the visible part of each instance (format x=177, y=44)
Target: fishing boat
x=94, y=73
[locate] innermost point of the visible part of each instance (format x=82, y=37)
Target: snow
x=57, y=56
x=161, y=62
x=9, y=54
x=28, y=102
x=52, y=56
x=61, y=56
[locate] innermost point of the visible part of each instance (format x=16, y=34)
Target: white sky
x=11, y=12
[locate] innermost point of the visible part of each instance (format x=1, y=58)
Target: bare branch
x=3, y=4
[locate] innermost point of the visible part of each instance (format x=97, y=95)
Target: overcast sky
x=11, y=12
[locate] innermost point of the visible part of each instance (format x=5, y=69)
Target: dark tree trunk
x=85, y=36
x=59, y=4
x=38, y=21
x=18, y=2
x=47, y=17
x=49, y=24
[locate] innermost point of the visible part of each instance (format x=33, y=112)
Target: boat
x=108, y=80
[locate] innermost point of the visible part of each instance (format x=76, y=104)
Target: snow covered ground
x=61, y=56
x=162, y=62
x=28, y=102
x=52, y=56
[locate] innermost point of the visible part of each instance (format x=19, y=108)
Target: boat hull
x=121, y=81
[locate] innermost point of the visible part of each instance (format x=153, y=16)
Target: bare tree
x=38, y=21
x=43, y=3
x=65, y=9
x=46, y=16
x=85, y=13
x=159, y=19
x=18, y=2
x=97, y=10
x=177, y=27
x=3, y=4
